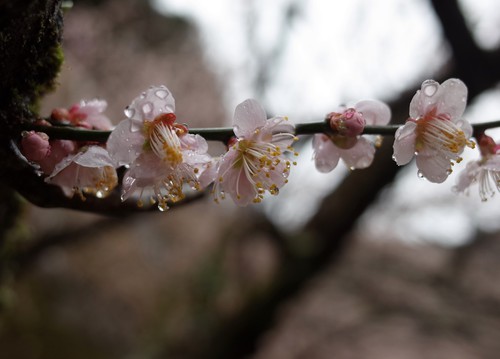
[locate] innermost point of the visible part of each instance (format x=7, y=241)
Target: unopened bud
x=349, y=123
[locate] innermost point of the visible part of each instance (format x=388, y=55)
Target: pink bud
x=487, y=145
x=35, y=146
x=349, y=123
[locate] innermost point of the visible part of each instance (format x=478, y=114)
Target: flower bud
x=35, y=146
x=349, y=123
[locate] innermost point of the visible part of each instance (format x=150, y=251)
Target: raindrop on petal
x=162, y=94
x=129, y=112
x=430, y=88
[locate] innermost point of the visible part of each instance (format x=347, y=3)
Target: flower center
x=164, y=141
x=437, y=132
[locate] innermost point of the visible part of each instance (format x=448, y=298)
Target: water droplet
x=394, y=158
x=122, y=197
x=420, y=174
x=352, y=168
x=100, y=194
x=129, y=112
x=162, y=206
x=147, y=108
x=161, y=94
x=429, y=88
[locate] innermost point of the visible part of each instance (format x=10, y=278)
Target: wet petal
x=360, y=156
x=374, y=112
x=123, y=145
x=404, y=143
x=151, y=103
x=326, y=154
x=452, y=98
x=248, y=116
x=435, y=168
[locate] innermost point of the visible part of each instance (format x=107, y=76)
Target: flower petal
x=374, y=112
x=248, y=116
x=404, y=143
x=452, y=98
x=326, y=154
x=124, y=145
x=360, y=156
x=467, y=176
x=435, y=168
x=151, y=103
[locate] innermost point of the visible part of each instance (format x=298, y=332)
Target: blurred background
x=373, y=263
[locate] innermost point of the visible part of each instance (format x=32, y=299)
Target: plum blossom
x=485, y=171
x=347, y=143
x=160, y=154
x=76, y=167
x=255, y=161
x=435, y=133
x=88, y=171
x=86, y=114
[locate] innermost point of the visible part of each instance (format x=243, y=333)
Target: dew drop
x=100, y=194
x=147, y=108
x=394, y=158
x=162, y=206
x=430, y=88
x=129, y=112
x=420, y=174
x=161, y=94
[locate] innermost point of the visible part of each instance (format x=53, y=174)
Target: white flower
x=89, y=171
x=255, y=162
x=435, y=131
x=485, y=171
x=160, y=153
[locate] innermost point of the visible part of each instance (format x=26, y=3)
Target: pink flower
x=435, y=131
x=86, y=114
x=255, y=162
x=485, y=171
x=347, y=143
x=160, y=153
x=89, y=171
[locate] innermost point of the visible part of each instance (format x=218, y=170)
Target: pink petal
x=449, y=98
x=248, y=116
x=194, y=143
x=326, y=154
x=452, y=98
x=467, y=176
x=404, y=143
x=435, y=168
x=374, y=112
x=124, y=145
x=151, y=103
x=425, y=99
x=360, y=156
x=94, y=156
x=35, y=146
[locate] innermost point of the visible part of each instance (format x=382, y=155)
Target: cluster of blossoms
x=76, y=167
x=163, y=159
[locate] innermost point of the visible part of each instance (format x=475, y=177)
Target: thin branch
x=223, y=133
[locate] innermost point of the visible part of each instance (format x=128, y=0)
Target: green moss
x=30, y=43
